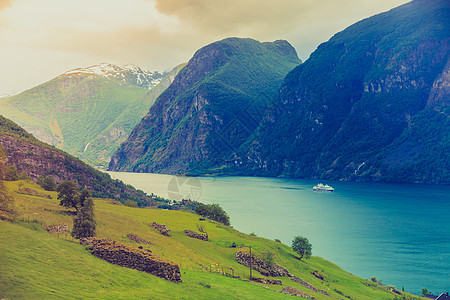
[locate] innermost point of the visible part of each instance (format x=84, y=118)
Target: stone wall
x=196, y=235
x=308, y=285
x=28, y=191
x=57, y=228
x=276, y=271
x=289, y=290
x=138, y=239
x=134, y=258
x=267, y=281
x=162, y=228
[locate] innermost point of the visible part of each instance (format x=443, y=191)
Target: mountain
x=27, y=154
x=223, y=91
x=372, y=103
x=88, y=112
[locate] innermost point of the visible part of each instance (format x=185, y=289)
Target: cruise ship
x=323, y=187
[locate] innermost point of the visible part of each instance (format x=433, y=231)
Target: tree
x=68, y=195
x=302, y=246
x=213, y=212
x=84, y=224
x=49, y=184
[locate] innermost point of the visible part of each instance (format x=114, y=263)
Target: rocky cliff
x=36, y=158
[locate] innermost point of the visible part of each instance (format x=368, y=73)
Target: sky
x=41, y=39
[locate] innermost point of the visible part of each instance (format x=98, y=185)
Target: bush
x=49, y=184
x=130, y=203
x=268, y=258
x=213, y=212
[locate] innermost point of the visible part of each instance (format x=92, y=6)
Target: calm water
x=398, y=233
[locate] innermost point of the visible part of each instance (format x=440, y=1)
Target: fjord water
x=396, y=232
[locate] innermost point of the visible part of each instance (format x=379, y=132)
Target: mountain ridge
x=367, y=106
x=220, y=81
x=89, y=111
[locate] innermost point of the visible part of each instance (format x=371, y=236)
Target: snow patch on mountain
x=128, y=74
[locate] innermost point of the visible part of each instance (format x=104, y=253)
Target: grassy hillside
x=37, y=264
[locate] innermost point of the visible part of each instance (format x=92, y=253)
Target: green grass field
x=40, y=265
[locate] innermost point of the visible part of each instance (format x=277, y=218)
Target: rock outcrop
x=134, y=258
x=276, y=271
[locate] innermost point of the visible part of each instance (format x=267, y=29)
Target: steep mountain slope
x=369, y=104
x=220, y=93
x=88, y=112
x=28, y=154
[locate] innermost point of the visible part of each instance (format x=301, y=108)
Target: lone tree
x=302, y=246
x=68, y=195
x=84, y=223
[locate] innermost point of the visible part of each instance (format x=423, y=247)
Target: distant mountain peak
x=130, y=74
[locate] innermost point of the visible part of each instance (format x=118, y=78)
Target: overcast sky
x=40, y=39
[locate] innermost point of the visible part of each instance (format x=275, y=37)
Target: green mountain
x=212, y=107
x=88, y=112
x=27, y=154
x=372, y=103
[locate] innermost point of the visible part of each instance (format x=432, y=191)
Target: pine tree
x=84, y=223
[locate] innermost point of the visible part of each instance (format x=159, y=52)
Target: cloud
x=273, y=19
x=5, y=3
x=54, y=36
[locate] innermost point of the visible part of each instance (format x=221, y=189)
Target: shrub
x=268, y=258
x=49, y=184
x=130, y=203
x=213, y=212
